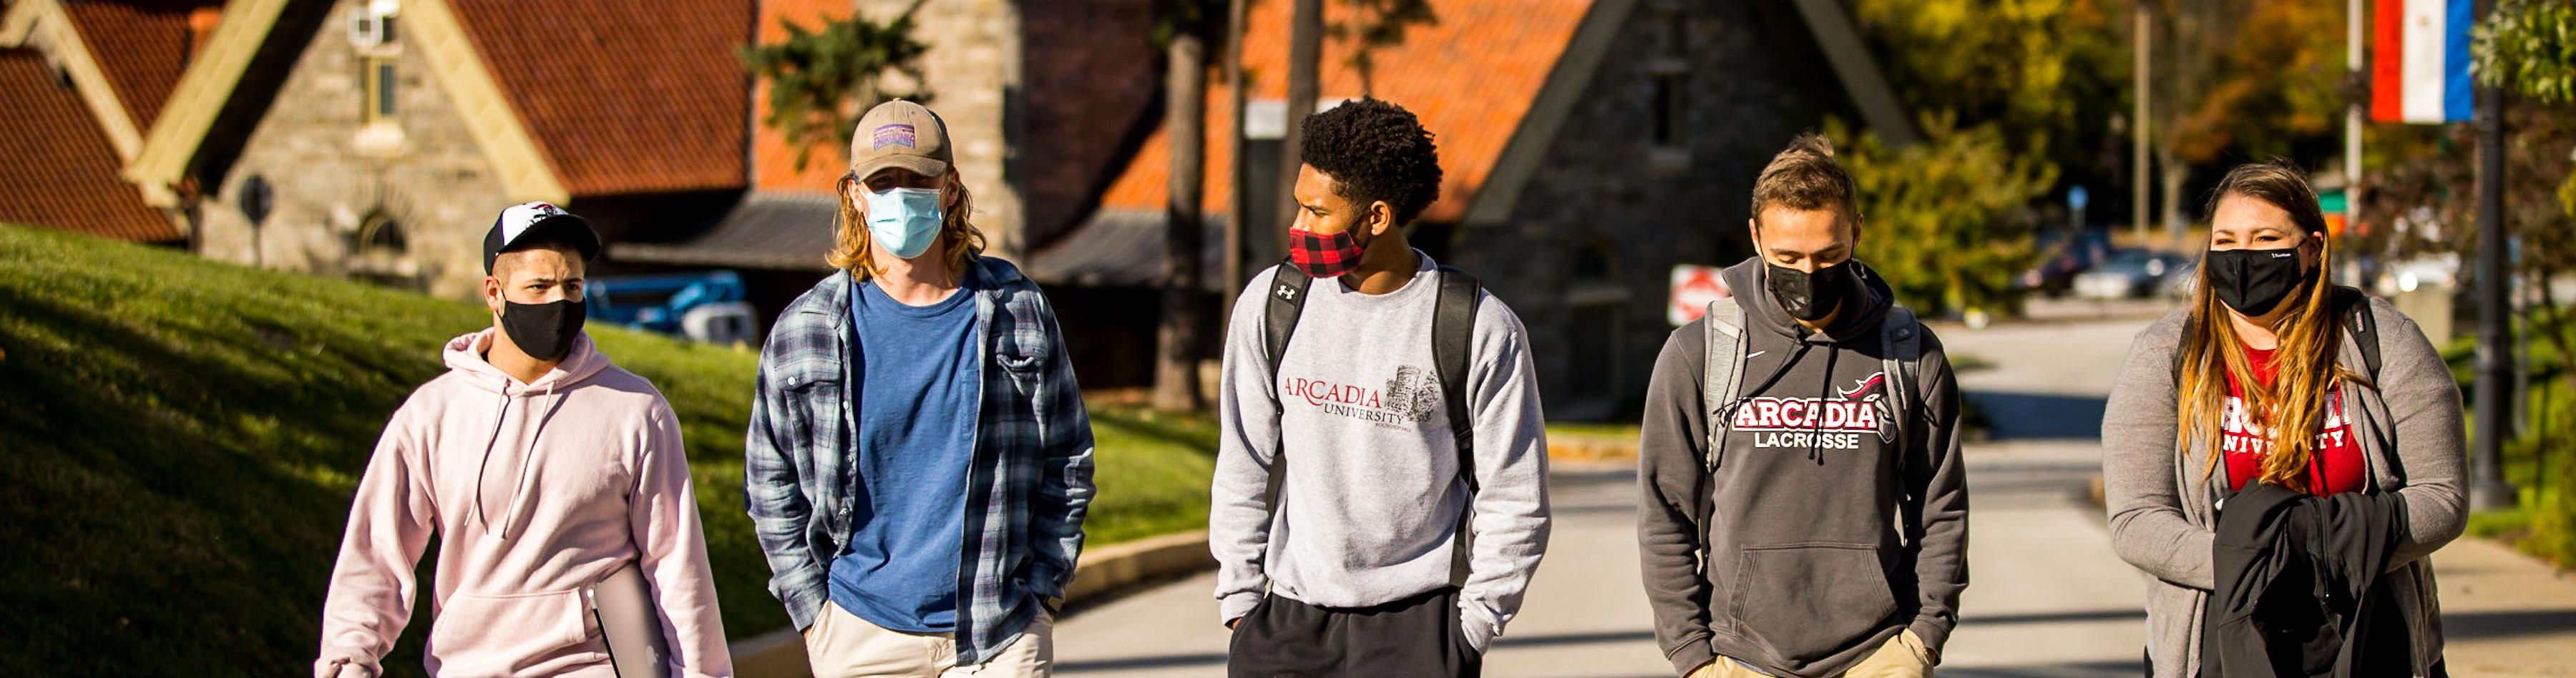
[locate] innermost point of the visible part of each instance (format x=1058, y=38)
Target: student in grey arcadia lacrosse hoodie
x=1826, y=539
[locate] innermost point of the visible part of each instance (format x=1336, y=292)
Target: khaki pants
x=1902, y=657
x=841, y=645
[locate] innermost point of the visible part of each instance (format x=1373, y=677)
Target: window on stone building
x=378, y=74
x=382, y=234
x=380, y=252
x=1596, y=302
x=1668, y=109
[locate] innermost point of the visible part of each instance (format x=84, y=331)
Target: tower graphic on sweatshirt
x=1407, y=398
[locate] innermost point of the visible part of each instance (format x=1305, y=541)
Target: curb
x=1103, y=571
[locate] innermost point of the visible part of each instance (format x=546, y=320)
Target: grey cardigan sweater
x=2162, y=503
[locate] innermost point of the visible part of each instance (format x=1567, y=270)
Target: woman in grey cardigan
x=2183, y=426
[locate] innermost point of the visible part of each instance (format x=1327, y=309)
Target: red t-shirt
x=2338, y=455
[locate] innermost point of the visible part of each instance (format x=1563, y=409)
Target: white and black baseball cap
x=535, y=222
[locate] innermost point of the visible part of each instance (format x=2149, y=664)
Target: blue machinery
x=706, y=306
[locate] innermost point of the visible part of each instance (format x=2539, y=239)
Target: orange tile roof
x=56, y=167
x=773, y=158
x=141, y=45
x=1470, y=78
x=623, y=97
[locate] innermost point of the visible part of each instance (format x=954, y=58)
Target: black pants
x=1416, y=636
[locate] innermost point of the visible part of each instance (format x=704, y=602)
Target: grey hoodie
x=2162, y=505
x=1826, y=534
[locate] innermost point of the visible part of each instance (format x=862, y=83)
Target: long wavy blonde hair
x=2293, y=406
x=959, y=240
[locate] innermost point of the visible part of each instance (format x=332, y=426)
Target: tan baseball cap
x=902, y=134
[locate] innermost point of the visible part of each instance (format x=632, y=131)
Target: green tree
x=2052, y=71
x=1947, y=221
x=2527, y=48
x=821, y=81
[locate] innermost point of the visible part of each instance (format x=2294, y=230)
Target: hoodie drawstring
x=1816, y=425
x=518, y=486
x=499, y=417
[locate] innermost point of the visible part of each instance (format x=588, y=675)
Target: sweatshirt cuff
x=343, y=666
x=1478, y=627
x=1235, y=606
x=1932, y=632
x=1691, y=655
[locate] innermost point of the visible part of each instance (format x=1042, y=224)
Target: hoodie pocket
x=1804, y=602
x=510, y=634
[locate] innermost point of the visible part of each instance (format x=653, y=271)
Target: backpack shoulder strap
x=1279, y=320
x=1722, y=377
x=2352, y=307
x=1453, y=335
x=1900, y=340
x=1287, y=300
x=1900, y=337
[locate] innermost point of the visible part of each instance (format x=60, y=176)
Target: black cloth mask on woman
x=2255, y=281
x=545, y=331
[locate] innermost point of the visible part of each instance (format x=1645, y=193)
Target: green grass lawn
x=179, y=440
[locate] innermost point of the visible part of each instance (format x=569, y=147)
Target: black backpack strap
x=2352, y=307
x=1453, y=334
x=1279, y=321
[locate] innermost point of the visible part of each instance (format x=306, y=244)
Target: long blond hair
x=959, y=240
x=2293, y=406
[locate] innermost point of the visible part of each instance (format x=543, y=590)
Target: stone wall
x=330, y=184
x=974, y=77
x=1591, y=243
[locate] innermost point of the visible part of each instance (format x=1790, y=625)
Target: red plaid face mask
x=1323, y=256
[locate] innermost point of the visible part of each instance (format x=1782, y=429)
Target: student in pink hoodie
x=543, y=469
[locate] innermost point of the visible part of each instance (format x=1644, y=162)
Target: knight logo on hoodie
x=1834, y=423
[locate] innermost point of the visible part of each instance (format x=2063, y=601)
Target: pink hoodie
x=537, y=491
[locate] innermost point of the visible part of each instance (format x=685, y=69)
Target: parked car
x=2128, y=274
x=2065, y=258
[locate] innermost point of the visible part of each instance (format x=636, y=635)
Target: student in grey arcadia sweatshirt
x=1371, y=502
x=1806, y=575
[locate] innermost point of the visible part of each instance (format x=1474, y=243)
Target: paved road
x=2048, y=598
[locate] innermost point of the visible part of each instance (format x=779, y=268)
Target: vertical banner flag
x=2420, y=72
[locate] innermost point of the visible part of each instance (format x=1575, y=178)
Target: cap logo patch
x=897, y=134
x=519, y=217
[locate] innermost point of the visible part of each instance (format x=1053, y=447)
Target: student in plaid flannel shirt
x=919, y=460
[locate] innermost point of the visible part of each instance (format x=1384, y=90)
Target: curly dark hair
x=1374, y=151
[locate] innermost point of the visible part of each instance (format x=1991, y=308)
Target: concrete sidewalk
x=2048, y=598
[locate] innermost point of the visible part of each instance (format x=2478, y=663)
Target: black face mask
x=1812, y=296
x=545, y=331
x=2255, y=281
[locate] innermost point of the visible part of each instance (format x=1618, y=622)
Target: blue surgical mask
x=904, y=221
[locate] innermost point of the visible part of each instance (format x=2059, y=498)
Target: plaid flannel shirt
x=1026, y=491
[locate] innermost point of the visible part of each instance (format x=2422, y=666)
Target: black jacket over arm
x=2297, y=576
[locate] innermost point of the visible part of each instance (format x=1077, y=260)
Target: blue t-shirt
x=918, y=385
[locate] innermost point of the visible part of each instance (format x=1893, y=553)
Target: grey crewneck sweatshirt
x=1371, y=501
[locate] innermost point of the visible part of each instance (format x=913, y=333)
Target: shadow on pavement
x=2466, y=625
x=2115, y=614
x=2039, y=415
x=1215, y=659
x=2077, y=670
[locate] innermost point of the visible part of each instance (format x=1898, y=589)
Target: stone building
x=1587, y=149
x=375, y=139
